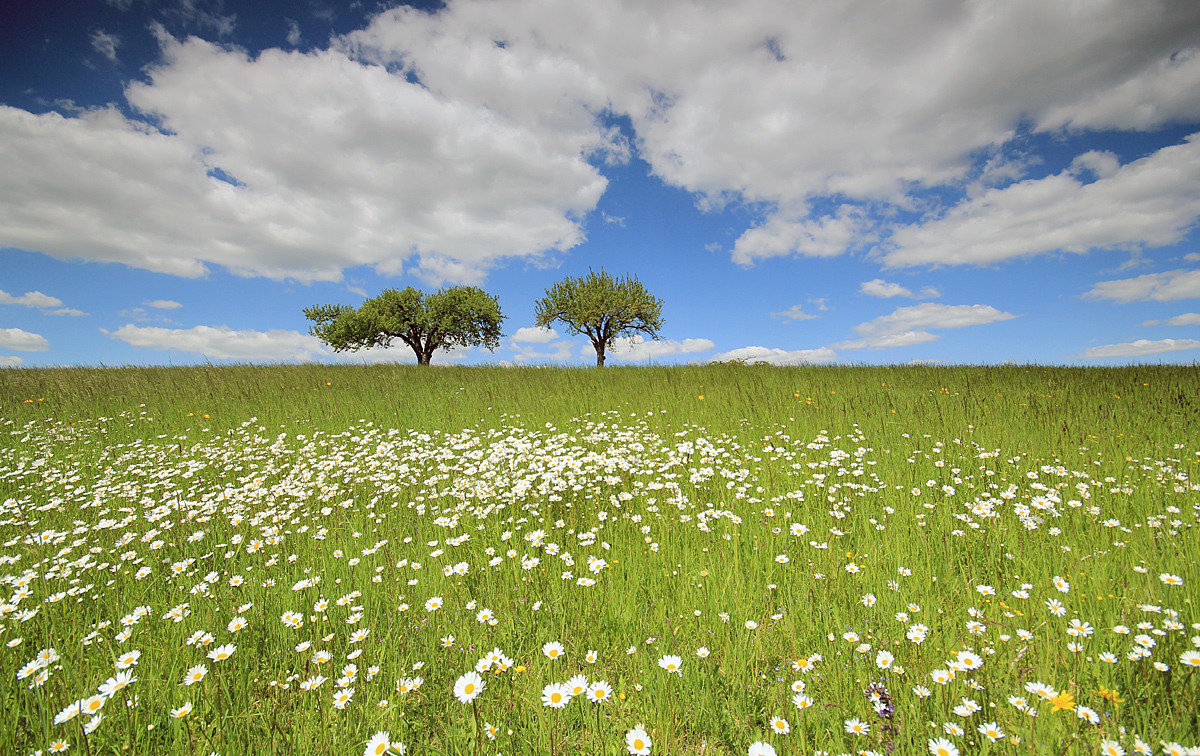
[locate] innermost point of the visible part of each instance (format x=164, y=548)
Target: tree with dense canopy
x=454, y=316
x=602, y=308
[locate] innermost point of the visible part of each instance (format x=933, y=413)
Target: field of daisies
x=651, y=572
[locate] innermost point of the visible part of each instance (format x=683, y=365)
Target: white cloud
x=795, y=312
x=885, y=290
x=1150, y=202
x=778, y=237
x=535, y=335
x=906, y=325
x=635, y=348
x=293, y=32
x=30, y=299
x=1160, y=287
x=13, y=361
x=163, y=304
x=762, y=102
x=754, y=354
x=339, y=162
x=334, y=163
x=22, y=341
x=224, y=343
x=1188, y=318
x=67, y=311
x=561, y=352
x=106, y=44
x=1139, y=348
x=1192, y=257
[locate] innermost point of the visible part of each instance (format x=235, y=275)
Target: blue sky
x=799, y=182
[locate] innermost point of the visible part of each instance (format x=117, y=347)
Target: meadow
x=719, y=559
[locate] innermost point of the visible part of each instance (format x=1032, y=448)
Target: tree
x=602, y=308
x=455, y=316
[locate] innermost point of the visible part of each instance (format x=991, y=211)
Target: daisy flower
x=991, y=731
x=378, y=745
x=857, y=727
x=760, y=748
x=780, y=726
x=802, y=701
x=599, y=692
x=591, y=657
x=942, y=747
x=127, y=660
x=195, y=674
x=638, y=742
x=577, y=685
x=467, y=687
x=182, y=711
x=221, y=653
x=341, y=698
x=672, y=664
x=702, y=652
x=552, y=650
x=556, y=695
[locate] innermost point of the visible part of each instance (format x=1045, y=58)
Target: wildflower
x=1111, y=748
x=942, y=747
x=182, y=711
x=591, y=657
x=468, y=687
x=92, y=705
x=556, y=695
x=1190, y=658
x=552, y=650
x=221, y=653
x=802, y=701
x=672, y=664
x=599, y=692
x=702, y=652
x=780, y=726
x=378, y=745
x=126, y=660
x=116, y=683
x=237, y=623
x=58, y=746
x=751, y=625
x=1110, y=695
x=1062, y=701
x=1170, y=579
x=638, y=742
x=884, y=659
x=857, y=727
x=433, y=604
x=1088, y=714
x=760, y=748
x=991, y=731
x=195, y=674
x=577, y=685
x=448, y=641
x=69, y=713
x=341, y=698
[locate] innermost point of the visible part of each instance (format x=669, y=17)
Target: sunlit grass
x=791, y=526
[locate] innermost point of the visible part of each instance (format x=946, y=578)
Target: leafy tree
x=454, y=316
x=602, y=308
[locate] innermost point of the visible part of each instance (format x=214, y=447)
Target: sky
x=799, y=181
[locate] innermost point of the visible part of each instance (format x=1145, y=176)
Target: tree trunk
x=599, y=355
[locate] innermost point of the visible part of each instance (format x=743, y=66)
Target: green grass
x=225, y=487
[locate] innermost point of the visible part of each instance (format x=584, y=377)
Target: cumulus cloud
x=224, y=343
x=907, y=326
x=293, y=165
x=22, y=341
x=755, y=354
x=535, y=335
x=1188, y=318
x=559, y=351
x=13, y=361
x=30, y=299
x=106, y=44
x=885, y=290
x=1139, y=348
x=1149, y=202
x=795, y=312
x=443, y=142
x=163, y=304
x=635, y=348
x=1159, y=287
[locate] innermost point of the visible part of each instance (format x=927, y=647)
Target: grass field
x=713, y=560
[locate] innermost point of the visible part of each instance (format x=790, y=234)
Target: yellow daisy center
x=469, y=689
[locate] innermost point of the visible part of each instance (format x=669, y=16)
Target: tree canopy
x=454, y=316
x=602, y=308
